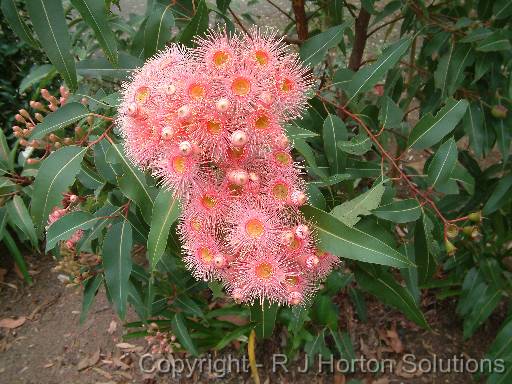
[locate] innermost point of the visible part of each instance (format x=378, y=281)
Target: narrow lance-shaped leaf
x=358, y=145
x=423, y=251
x=48, y=20
x=263, y=316
x=158, y=28
x=474, y=127
x=117, y=261
x=55, y=175
x=314, y=49
x=197, y=26
x=382, y=284
x=336, y=237
x=90, y=289
x=19, y=216
x=402, y=211
x=36, y=75
x=443, y=162
x=62, y=117
x=165, y=211
x=93, y=12
x=16, y=23
x=499, y=196
x=430, y=130
x=334, y=130
x=179, y=328
x=368, y=76
x=67, y=225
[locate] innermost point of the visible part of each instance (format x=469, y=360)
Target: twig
x=361, y=29
x=301, y=22
x=239, y=22
x=384, y=25
x=280, y=9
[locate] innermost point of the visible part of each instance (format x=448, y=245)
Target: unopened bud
x=185, y=148
x=24, y=113
x=20, y=118
x=266, y=97
x=254, y=177
x=79, y=131
x=449, y=247
x=219, y=261
x=222, y=104
x=39, y=117
x=298, y=198
x=184, y=112
x=132, y=110
x=312, y=261
x=471, y=231
x=37, y=105
x=240, y=177
x=32, y=161
x=57, y=145
x=287, y=237
x=281, y=141
x=295, y=298
x=171, y=90
x=499, y=111
x=64, y=92
x=68, y=141
x=475, y=217
x=23, y=142
x=302, y=231
x=238, y=138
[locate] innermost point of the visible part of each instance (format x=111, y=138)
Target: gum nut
x=167, y=133
x=231, y=176
x=184, y=112
x=222, y=104
x=298, y=198
x=237, y=295
x=238, y=138
x=302, y=231
x=185, y=148
x=295, y=298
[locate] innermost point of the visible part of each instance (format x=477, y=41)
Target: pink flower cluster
x=208, y=122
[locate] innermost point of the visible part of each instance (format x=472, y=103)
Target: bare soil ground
x=50, y=346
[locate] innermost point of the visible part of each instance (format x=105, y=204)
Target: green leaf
x=423, y=251
x=325, y=312
x=5, y=152
x=498, y=41
x=263, y=318
x=55, y=175
x=233, y=335
x=368, y=76
x=358, y=145
x=344, y=241
x=165, y=211
x=381, y=283
x=93, y=12
x=343, y=344
x=401, y=211
x=15, y=253
x=359, y=303
x=18, y=215
x=35, y=75
x=17, y=24
x=390, y=114
x=91, y=287
x=314, y=49
x=197, y=26
x=49, y=22
x=334, y=130
x=117, y=261
x=68, y=114
x=180, y=330
x=430, y=130
x=473, y=123
x=500, y=195
x=101, y=67
x=502, y=9
x=443, y=162
x=158, y=28
x=441, y=72
x=501, y=348
x=487, y=301
x=133, y=184
x=294, y=131
x=66, y=226
x=472, y=287
x=362, y=205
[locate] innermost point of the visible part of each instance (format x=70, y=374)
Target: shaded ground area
x=50, y=346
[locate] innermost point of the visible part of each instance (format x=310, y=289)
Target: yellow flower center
x=195, y=224
x=142, y=94
x=196, y=91
x=236, y=153
x=286, y=85
x=205, y=254
x=254, y=228
x=295, y=244
x=261, y=57
x=179, y=164
x=208, y=201
x=220, y=58
x=262, y=122
x=264, y=270
x=280, y=191
x=292, y=280
x=241, y=86
x=283, y=157
x=214, y=127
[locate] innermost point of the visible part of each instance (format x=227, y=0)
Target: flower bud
x=475, y=217
x=171, y=90
x=266, y=97
x=298, y=198
x=132, y=110
x=499, y=111
x=281, y=141
x=312, y=261
x=219, y=261
x=302, y=231
x=185, y=148
x=184, y=112
x=20, y=118
x=287, y=237
x=222, y=104
x=39, y=117
x=167, y=133
x=238, y=138
x=449, y=247
x=24, y=113
x=295, y=298
x=254, y=177
x=471, y=231
x=240, y=177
